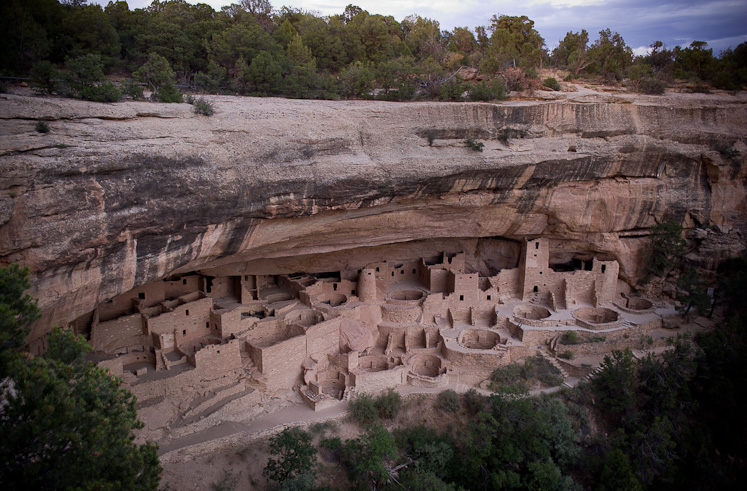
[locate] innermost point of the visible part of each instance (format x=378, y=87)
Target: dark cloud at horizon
x=722, y=23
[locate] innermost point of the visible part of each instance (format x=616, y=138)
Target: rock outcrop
x=117, y=195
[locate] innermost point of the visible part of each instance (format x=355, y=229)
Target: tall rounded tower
x=367, y=285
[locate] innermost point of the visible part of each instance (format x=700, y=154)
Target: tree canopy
x=199, y=43
x=64, y=423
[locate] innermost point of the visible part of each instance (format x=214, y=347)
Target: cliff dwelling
x=248, y=271
x=404, y=321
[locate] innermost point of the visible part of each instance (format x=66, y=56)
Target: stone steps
x=593, y=372
x=554, y=362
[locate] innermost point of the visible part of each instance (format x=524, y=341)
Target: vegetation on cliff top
x=251, y=48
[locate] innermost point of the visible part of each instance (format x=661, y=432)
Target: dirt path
x=291, y=415
x=297, y=414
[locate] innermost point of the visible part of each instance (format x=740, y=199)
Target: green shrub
x=727, y=150
x=474, y=401
x=515, y=389
x=448, y=401
x=566, y=355
x=331, y=443
x=293, y=457
x=388, y=403
x=508, y=134
x=507, y=374
x=84, y=78
x=551, y=83
x=363, y=409
x=452, y=90
x=597, y=339
x=539, y=368
x=431, y=136
x=41, y=127
x=509, y=380
x=203, y=106
x=105, y=92
x=132, y=89
x=570, y=337
x=322, y=427
x=156, y=73
x=488, y=91
x=651, y=86
x=474, y=145
x=189, y=98
x=44, y=76
x=168, y=93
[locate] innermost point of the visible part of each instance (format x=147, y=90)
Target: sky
x=721, y=23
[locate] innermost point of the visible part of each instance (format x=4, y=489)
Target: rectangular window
x=187, y=312
x=488, y=297
x=184, y=282
x=461, y=298
x=141, y=296
x=207, y=325
x=184, y=332
x=536, y=245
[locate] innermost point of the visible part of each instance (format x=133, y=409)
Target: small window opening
x=461, y=298
x=352, y=292
x=536, y=289
x=604, y=268
x=377, y=270
x=207, y=325
x=334, y=287
x=187, y=311
x=536, y=245
x=489, y=297
x=184, y=332
x=218, y=351
x=414, y=271
x=392, y=273
x=141, y=295
x=402, y=272
x=184, y=281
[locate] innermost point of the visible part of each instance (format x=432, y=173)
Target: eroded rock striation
x=118, y=195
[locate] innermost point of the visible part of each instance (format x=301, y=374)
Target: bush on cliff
x=84, y=78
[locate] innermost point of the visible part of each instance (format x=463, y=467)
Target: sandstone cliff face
x=121, y=194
